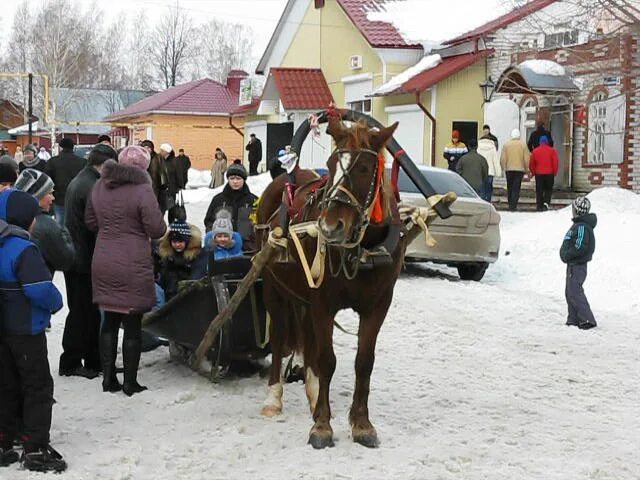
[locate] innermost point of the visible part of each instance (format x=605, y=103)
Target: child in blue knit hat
x=222, y=240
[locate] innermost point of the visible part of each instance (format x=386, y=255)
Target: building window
x=528, y=117
x=561, y=38
x=363, y=106
x=597, y=126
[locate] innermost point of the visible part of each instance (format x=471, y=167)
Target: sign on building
x=246, y=91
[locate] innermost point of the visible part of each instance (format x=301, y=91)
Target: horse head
x=355, y=180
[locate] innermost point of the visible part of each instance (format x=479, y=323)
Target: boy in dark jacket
x=576, y=251
x=181, y=257
x=28, y=297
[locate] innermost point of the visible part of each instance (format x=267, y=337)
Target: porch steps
x=527, y=202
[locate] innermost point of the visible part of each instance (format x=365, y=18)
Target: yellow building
x=195, y=116
x=369, y=67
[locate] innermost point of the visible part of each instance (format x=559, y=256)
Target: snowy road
x=472, y=381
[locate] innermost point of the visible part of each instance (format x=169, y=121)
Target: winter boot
x=108, y=353
x=8, y=455
x=43, y=459
x=131, y=359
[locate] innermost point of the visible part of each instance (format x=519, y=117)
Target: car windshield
x=442, y=182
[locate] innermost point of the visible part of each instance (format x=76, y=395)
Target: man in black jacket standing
x=62, y=168
x=577, y=250
x=183, y=164
x=254, y=147
x=536, y=135
x=82, y=326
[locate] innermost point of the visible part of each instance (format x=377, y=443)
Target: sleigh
x=184, y=319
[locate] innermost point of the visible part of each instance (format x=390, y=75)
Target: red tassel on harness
x=377, y=213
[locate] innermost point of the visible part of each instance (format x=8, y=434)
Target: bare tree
x=224, y=46
x=171, y=45
x=136, y=60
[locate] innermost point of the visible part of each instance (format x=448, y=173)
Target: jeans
x=579, y=310
x=58, y=211
x=514, y=181
x=487, y=189
x=544, y=190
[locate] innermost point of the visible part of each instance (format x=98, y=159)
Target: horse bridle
x=338, y=193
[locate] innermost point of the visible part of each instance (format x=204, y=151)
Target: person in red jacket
x=544, y=166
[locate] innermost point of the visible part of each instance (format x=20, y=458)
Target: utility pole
x=30, y=108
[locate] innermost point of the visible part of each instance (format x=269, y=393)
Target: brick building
x=195, y=116
x=596, y=126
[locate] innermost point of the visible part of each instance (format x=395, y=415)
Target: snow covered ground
x=472, y=380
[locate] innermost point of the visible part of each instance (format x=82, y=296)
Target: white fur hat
x=515, y=133
x=166, y=147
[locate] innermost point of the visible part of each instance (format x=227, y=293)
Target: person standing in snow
x=544, y=167
x=487, y=148
x=218, y=168
x=28, y=297
x=473, y=167
x=62, y=169
x=454, y=150
x=514, y=161
x=183, y=164
x=81, y=355
x=158, y=173
x=254, y=147
x=576, y=251
x=123, y=210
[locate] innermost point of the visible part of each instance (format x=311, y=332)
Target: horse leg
x=362, y=430
x=321, y=434
x=272, y=405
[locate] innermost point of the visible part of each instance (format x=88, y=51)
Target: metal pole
x=30, y=108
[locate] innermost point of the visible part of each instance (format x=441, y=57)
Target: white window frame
x=362, y=106
x=597, y=128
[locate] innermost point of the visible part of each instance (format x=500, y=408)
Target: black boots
x=43, y=459
x=131, y=358
x=108, y=353
x=8, y=455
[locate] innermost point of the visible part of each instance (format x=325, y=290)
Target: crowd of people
x=478, y=163
x=100, y=221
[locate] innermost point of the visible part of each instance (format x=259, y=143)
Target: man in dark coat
x=62, y=168
x=28, y=297
x=175, y=179
x=53, y=241
x=82, y=326
x=536, y=135
x=238, y=200
x=473, y=167
x=576, y=251
x=183, y=163
x=159, y=177
x=254, y=147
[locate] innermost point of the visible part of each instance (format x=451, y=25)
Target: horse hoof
x=367, y=438
x=321, y=439
x=271, y=411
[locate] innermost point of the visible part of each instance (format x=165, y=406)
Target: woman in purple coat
x=124, y=211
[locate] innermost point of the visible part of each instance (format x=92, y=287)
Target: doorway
x=560, y=114
x=279, y=135
x=468, y=130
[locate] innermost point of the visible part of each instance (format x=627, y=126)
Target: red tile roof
x=201, y=97
x=378, y=34
x=503, y=21
x=302, y=88
x=248, y=108
x=448, y=67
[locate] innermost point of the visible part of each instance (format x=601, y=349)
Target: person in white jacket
x=487, y=148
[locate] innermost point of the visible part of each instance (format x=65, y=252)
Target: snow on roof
x=544, y=67
x=432, y=22
x=427, y=63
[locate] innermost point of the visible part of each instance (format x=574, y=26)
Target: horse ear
x=336, y=129
x=381, y=137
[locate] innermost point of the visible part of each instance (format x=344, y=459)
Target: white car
x=468, y=240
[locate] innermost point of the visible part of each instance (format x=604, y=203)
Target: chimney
x=233, y=79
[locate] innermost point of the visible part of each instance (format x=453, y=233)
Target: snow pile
x=198, y=178
x=431, y=22
x=427, y=63
x=544, y=67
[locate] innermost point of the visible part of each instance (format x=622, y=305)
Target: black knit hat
x=66, y=143
x=7, y=173
x=21, y=208
x=100, y=154
x=179, y=231
x=236, y=170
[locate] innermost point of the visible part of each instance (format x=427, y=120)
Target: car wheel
x=473, y=271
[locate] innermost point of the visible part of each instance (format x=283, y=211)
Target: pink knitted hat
x=135, y=156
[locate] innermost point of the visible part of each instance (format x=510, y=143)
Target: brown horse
x=303, y=317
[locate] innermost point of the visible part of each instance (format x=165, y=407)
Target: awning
x=542, y=77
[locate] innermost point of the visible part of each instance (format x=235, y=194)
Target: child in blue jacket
x=28, y=297
x=222, y=240
x=576, y=251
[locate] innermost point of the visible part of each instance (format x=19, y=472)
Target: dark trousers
x=26, y=389
x=82, y=327
x=579, y=309
x=253, y=166
x=487, y=189
x=544, y=189
x=514, y=181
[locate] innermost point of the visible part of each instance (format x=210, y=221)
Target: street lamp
x=488, y=87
